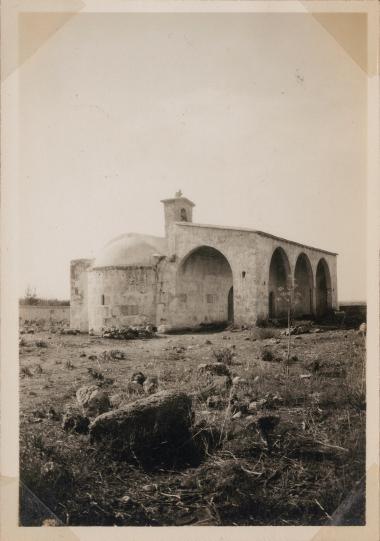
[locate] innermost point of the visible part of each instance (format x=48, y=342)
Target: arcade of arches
x=298, y=291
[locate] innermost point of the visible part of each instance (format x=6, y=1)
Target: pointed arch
x=303, y=286
x=323, y=288
x=204, y=288
x=279, y=283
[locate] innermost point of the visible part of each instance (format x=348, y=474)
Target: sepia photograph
x=192, y=263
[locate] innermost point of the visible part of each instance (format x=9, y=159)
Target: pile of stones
x=129, y=333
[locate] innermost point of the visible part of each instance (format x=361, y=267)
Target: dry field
x=284, y=445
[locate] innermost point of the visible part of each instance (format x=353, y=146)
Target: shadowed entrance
x=303, y=287
x=204, y=292
x=279, y=280
x=323, y=288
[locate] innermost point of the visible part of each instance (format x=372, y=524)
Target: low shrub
x=225, y=355
x=41, y=344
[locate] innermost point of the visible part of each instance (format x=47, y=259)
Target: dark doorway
x=231, y=305
x=303, y=287
x=323, y=288
x=278, y=286
x=272, y=307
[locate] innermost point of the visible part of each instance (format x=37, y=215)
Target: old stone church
x=199, y=274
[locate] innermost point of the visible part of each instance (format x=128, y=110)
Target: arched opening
x=323, y=289
x=204, y=292
x=231, y=305
x=279, y=284
x=303, y=287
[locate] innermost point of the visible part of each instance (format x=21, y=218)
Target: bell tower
x=177, y=209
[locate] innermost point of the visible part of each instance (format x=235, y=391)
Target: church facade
x=198, y=275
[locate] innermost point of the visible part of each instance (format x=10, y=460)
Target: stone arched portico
x=200, y=274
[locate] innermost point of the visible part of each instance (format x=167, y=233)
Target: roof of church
x=247, y=230
x=131, y=250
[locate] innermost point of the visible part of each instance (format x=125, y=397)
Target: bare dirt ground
x=287, y=444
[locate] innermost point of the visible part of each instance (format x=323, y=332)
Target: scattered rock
x=117, y=355
x=134, y=388
x=54, y=474
x=129, y=333
x=41, y=344
x=215, y=402
x=74, y=422
x=52, y=414
x=150, y=385
x=363, y=329
x=126, y=499
x=92, y=400
x=252, y=407
x=305, y=376
x=237, y=415
x=219, y=369
x=237, y=380
x=138, y=377
x=51, y=522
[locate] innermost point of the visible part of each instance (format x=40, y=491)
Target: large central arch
x=204, y=288
x=279, y=284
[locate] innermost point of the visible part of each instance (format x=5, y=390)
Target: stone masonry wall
x=46, y=313
x=78, y=293
x=121, y=296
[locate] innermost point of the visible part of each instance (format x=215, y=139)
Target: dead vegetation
x=265, y=445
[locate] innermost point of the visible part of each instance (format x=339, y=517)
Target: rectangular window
x=129, y=310
x=182, y=297
x=211, y=298
x=102, y=300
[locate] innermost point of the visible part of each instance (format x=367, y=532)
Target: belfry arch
x=323, y=291
x=303, y=287
x=279, y=284
x=204, y=288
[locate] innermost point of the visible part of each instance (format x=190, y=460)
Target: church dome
x=131, y=250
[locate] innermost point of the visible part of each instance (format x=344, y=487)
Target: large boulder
x=148, y=429
x=93, y=400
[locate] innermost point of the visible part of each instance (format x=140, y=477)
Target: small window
x=129, y=310
x=243, y=274
x=183, y=215
x=102, y=300
x=211, y=298
x=182, y=297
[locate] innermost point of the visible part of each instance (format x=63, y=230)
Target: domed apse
x=204, y=292
x=279, y=279
x=303, y=287
x=323, y=289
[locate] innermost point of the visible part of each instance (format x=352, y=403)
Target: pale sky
x=259, y=119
